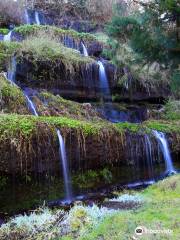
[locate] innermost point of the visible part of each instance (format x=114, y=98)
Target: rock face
x=82, y=82
x=39, y=152
x=74, y=82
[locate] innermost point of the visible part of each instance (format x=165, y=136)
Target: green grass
x=46, y=48
x=26, y=30
x=160, y=211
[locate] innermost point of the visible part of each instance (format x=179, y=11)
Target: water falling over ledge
x=165, y=151
x=85, y=51
x=66, y=175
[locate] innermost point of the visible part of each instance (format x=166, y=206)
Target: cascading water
x=149, y=156
x=37, y=18
x=62, y=152
x=104, y=85
x=85, y=51
x=31, y=105
x=12, y=71
x=8, y=36
x=27, y=18
x=63, y=157
x=11, y=76
x=165, y=151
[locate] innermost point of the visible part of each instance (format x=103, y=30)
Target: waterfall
x=149, y=157
x=27, y=18
x=31, y=105
x=165, y=151
x=85, y=52
x=37, y=18
x=104, y=84
x=63, y=157
x=8, y=36
x=11, y=76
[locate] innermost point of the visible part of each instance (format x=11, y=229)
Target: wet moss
x=27, y=124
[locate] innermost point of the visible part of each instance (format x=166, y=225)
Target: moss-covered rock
x=34, y=144
x=26, y=30
x=12, y=99
x=69, y=38
x=7, y=49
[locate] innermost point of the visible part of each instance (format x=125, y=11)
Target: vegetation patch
x=12, y=99
x=4, y=31
x=26, y=30
x=7, y=49
x=46, y=48
x=58, y=106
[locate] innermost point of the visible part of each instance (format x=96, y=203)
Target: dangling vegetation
x=152, y=34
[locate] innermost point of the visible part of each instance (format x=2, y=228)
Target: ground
x=155, y=209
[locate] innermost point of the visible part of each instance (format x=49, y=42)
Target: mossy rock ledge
x=30, y=144
x=69, y=38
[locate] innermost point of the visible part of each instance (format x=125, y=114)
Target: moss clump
x=11, y=125
x=132, y=127
x=26, y=30
x=163, y=126
x=7, y=49
x=12, y=99
x=4, y=31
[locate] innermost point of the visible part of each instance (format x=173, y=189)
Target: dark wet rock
x=95, y=49
x=82, y=26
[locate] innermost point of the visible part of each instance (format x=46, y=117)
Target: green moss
x=13, y=124
x=128, y=126
x=31, y=29
x=4, y=31
x=12, y=98
x=163, y=126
